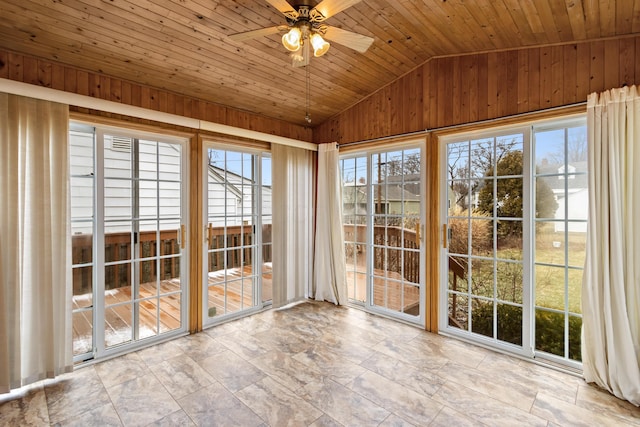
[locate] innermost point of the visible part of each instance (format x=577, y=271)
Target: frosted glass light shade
x=291, y=40
x=320, y=46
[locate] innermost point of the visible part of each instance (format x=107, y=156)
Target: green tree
x=509, y=195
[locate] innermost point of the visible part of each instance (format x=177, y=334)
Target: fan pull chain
x=307, y=116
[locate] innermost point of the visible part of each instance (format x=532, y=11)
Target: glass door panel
x=395, y=278
x=266, y=237
x=129, y=280
x=142, y=235
x=561, y=197
x=238, y=214
x=382, y=217
x=486, y=201
x=354, y=211
x=82, y=172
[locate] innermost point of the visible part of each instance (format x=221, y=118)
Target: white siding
x=577, y=204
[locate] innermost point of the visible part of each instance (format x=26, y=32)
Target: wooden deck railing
x=405, y=263
x=118, y=248
x=238, y=242
x=238, y=253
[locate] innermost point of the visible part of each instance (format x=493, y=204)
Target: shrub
x=549, y=328
x=481, y=233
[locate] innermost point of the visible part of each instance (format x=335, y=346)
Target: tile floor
x=315, y=365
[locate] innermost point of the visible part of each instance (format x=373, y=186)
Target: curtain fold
x=329, y=271
x=611, y=281
x=293, y=190
x=35, y=247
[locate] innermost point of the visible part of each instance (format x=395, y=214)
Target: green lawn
x=550, y=275
x=550, y=280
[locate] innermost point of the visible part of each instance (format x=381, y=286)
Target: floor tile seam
x=184, y=411
x=175, y=398
x=309, y=401
x=281, y=384
x=29, y=388
x=277, y=380
x=501, y=402
x=497, y=401
x=349, y=389
x=46, y=402
x=420, y=392
x=594, y=412
x=266, y=421
x=380, y=405
x=239, y=354
x=200, y=392
x=614, y=413
x=415, y=347
x=165, y=389
x=113, y=405
x=86, y=409
x=476, y=422
x=440, y=374
x=324, y=414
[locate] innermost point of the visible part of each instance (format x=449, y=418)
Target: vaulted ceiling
x=183, y=45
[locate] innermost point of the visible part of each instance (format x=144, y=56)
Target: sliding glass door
x=383, y=211
x=238, y=233
x=487, y=240
x=128, y=224
x=515, y=219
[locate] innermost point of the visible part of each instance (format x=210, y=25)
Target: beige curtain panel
x=329, y=271
x=35, y=250
x=611, y=281
x=293, y=190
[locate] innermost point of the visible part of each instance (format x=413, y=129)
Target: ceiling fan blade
x=285, y=8
x=328, y=8
x=257, y=33
x=349, y=39
x=300, y=58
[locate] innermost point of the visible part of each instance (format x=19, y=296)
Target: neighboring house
x=231, y=208
x=399, y=201
x=387, y=198
x=234, y=207
x=354, y=198
x=570, y=192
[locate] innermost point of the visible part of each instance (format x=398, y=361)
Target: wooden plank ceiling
x=183, y=46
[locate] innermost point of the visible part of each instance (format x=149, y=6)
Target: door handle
x=183, y=236
x=444, y=236
x=418, y=227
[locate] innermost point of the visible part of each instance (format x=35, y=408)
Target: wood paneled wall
x=45, y=73
x=465, y=89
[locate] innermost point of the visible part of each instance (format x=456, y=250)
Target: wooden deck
x=118, y=318
x=388, y=285
x=239, y=289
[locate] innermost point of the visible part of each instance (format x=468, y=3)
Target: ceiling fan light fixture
x=320, y=45
x=292, y=40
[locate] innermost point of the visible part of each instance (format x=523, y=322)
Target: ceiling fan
x=306, y=31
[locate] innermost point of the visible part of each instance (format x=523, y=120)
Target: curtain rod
x=512, y=116
x=384, y=138
x=84, y=101
x=463, y=125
